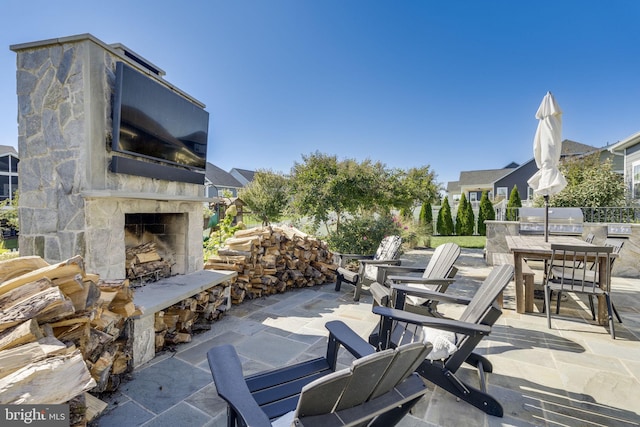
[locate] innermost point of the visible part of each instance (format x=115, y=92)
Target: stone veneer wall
x=625, y=266
x=70, y=203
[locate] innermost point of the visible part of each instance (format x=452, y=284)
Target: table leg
x=519, y=282
x=602, y=316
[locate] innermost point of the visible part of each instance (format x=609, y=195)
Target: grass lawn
x=462, y=241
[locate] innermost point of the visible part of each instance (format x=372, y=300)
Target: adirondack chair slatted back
x=495, y=283
x=367, y=378
x=441, y=262
x=389, y=248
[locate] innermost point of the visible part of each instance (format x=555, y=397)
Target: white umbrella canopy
x=547, y=147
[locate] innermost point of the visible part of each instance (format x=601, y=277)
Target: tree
x=324, y=188
x=485, y=213
x=513, y=204
x=590, y=183
x=425, y=218
x=444, y=223
x=464, y=217
x=412, y=187
x=267, y=195
x=470, y=219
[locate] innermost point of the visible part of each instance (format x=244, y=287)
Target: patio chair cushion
x=444, y=342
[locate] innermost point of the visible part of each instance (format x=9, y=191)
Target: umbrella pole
x=546, y=218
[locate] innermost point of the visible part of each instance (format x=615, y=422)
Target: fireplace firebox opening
x=155, y=245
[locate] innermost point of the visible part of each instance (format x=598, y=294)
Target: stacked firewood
x=179, y=322
x=269, y=260
x=145, y=264
x=63, y=332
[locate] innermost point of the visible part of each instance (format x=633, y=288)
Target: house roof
x=7, y=149
x=453, y=186
x=629, y=141
x=482, y=177
x=572, y=148
x=246, y=174
x=221, y=178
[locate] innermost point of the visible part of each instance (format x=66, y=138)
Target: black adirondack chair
x=454, y=340
x=377, y=390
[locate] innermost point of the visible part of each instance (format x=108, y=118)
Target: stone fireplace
x=71, y=203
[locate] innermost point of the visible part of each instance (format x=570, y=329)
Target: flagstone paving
x=573, y=374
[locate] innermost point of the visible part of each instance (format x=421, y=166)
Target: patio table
x=534, y=247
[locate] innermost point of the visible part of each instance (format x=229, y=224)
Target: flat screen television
x=154, y=122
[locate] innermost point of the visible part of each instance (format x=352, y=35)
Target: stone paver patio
x=573, y=374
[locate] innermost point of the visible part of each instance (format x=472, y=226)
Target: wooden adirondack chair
x=387, y=253
x=377, y=390
x=436, y=277
x=454, y=340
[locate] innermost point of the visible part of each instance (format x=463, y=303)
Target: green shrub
x=464, y=218
x=444, y=224
x=486, y=213
x=513, y=204
x=362, y=235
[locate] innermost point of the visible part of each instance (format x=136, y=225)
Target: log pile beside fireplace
x=178, y=323
x=63, y=332
x=269, y=260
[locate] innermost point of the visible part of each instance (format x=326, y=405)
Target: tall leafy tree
x=267, y=195
x=325, y=189
x=485, y=213
x=513, y=204
x=444, y=222
x=590, y=183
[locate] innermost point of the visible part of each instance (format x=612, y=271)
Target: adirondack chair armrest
x=341, y=334
x=421, y=280
x=466, y=328
x=353, y=256
x=227, y=373
x=432, y=295
x=381, y=261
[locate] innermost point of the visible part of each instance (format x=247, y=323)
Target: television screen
x=152, y=121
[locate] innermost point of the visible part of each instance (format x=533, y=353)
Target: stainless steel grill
x=566, y=221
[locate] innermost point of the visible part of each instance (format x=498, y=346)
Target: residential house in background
x=218, y=182
x=629, y=149
x=242, y=175
x=473, y=183
x=8, y=171
x=499, y=182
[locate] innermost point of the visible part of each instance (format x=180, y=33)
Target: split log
x=60, y=272
x=95, y=407
x=15, y=267
x=18, y=357
x=50, y=381
x=23, y=333
x=30, y=307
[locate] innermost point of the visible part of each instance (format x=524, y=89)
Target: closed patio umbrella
x=547, y=147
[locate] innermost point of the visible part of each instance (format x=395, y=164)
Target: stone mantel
x=141, y=196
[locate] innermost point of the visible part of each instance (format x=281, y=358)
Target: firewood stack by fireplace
x=63, y=332
x=145, y=264
x=269, y=260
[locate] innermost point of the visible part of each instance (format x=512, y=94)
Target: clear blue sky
x=450, y=84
